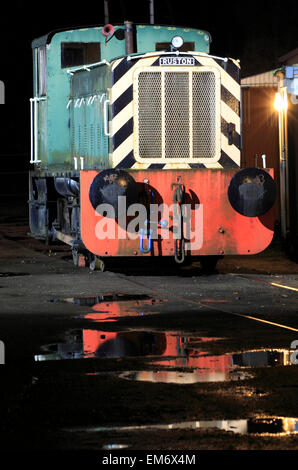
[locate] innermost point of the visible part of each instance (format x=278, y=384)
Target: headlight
x=177, y=42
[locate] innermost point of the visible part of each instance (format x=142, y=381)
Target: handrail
x=106, y=118
x=177, y=53
x=34, y=127
x=87, y=67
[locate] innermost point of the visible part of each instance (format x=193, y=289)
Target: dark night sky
x=256, y=32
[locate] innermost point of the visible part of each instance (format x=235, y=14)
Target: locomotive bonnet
x=136, y=147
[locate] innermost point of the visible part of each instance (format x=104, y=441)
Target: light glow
x=280, y=102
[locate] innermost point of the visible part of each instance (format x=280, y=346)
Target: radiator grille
x=176, y=96
x=150, y=116
x=204, y=117
x=177, y=115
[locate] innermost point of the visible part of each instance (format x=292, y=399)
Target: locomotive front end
x=173, y=124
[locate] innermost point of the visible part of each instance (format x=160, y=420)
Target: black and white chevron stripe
x=122, y=112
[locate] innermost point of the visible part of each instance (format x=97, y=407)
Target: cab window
x=79, y=53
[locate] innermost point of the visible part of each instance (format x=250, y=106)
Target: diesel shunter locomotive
x=136, y=147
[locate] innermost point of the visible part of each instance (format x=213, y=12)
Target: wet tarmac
x=136, y=357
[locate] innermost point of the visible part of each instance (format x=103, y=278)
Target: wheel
x=100, y=265
x=96, y=264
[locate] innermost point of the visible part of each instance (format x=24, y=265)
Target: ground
x=166, y=339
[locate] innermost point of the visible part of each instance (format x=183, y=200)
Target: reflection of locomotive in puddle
x=172, y=350
x=263, y=425
x=274, y=425
x=133, y=343
x=94, y=343
x=270, y=357
x=110, y=311
x=277, y=426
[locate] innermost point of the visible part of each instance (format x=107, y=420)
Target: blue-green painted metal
x=149, y=35
x=59, y=122
x=86, y=120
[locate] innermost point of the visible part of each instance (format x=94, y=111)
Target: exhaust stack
x=129, y=37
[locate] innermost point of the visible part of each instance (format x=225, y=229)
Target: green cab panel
x=69, y=135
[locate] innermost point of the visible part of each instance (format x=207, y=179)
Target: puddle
x=263, y=358
x=103, y=344
x=109, y=307
x=109, y=297
x=180, y=359
x=115, y=446
x=13, y=274
x=278, y=426
x=176, y=357
x=208, y=368
x=165, y=376
x=111, y=311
